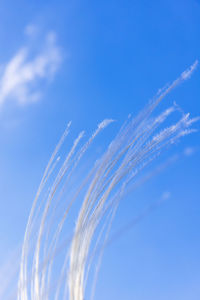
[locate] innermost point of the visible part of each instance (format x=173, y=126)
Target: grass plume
x=139, y=141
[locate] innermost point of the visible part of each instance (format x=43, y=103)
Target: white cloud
x=22, y=75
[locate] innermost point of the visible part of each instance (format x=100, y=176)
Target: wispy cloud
x=22, y=75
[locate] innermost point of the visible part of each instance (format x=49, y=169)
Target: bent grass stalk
x=138, y=142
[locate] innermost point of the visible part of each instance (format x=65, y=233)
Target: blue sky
x=86, y=61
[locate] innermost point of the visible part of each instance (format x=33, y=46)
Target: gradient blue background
x=116, y=55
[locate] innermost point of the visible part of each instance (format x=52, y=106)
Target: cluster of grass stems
x=139, y=141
